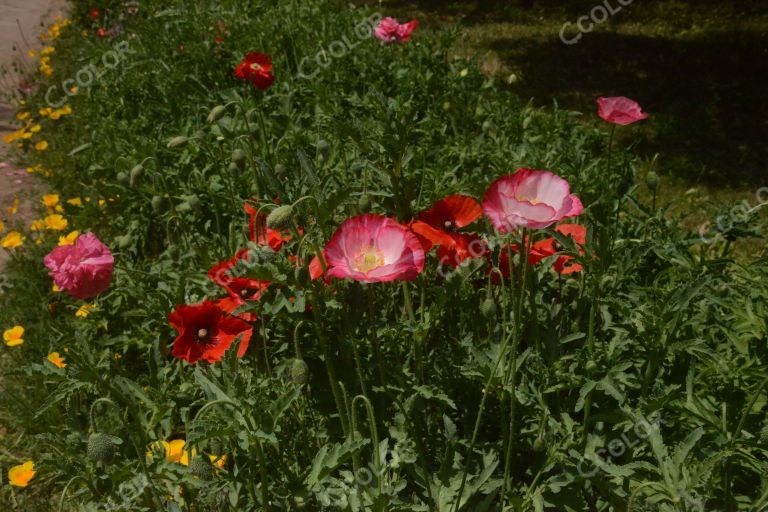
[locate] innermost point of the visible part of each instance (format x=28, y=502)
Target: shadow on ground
x=699, y=67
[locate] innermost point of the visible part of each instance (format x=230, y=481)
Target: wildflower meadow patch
x=390, y=286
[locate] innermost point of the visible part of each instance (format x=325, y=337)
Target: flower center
x=449, y=225
x=202, y=334
x=532, y=200
x=368, y=259
x=255, y=67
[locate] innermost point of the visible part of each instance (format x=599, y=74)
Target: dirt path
x=20, y=25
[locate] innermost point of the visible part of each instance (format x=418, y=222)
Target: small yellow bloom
x=84, y=310
x=14, y=336
x=35, y=129
x=31, y=53
x=47, y=50
x=12, y=240
x=57, y=360
x=21, y=475
x=102, y=202
x=76, y=201
x=218, y=461
x=69, y=239
x=55, y=222
x=14, y=207
x=45, y=111
x=37, y=225
x=174, y=451
x=55, y=288
x=22, y=116
x=2, y=226
x=50, y=200
x=41, y=146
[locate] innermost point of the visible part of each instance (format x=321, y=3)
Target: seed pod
x=488, y=308
x=652, y=180
x=177, y=142
x=539, y=445
x=158, y=204
x=201, y=468
x=215, y=114
x=364, y=203
x=323, y=150
x=101, y=448
x=123, y=179
x=299, y=372
x=238, y=158
x=136, y=174
x=280, y=217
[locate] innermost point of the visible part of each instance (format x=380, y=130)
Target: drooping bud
x=323, y=150
x=101, y=448
x=136, y=174
x=488, y=308
x=364, y=203
x=122, y=178
x=280, y=217
x=215, y=114
x=238, y=158
x=539, y=445
x=299, y=372
x=158, y=204
x=652, y=180
x=177, y=142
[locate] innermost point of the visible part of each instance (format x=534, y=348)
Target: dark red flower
x=95, y=13
x=102, y=32
x=256, y=67
x=225, y=275
x=439, y=225
x=219, y=40
x=205, y=332
x=260, y=233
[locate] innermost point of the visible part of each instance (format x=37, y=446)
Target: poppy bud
x=539, y=445
x=174, y=252
x=652, y=180
x=125, y=241
x=122, y=178
x=101, y=448
x=488, y=308
x=177, y=142
x=232, y=168
x=201, y=468
x=299, y=372
x=323, y=150
x=364, y=203
x=487, y=125
x=158, y=204
x=238, y=158
x=591, y=366
x=280, y=217
x=215, y=114
x=136, y=174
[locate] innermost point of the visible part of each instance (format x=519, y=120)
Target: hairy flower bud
x=101, y=448
x=177, y=142
x=215, y=114
x=280, y=217
x=299, y=372
x=201, y=468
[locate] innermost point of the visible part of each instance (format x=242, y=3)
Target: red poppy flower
x=260, y=233
x=94, y=13
x=256, y=67
x=439, y=225
x=218, y=39
x=243, y=288
x=206, y=332
x=550, y=247
x=102, y=32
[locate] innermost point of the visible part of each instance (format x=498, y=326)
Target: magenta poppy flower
x=83, y=269
x=529, y=199
x=620, y=110
x=373, y=248
x=390, y=30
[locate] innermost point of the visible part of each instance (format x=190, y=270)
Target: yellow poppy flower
x=35, y=129
x=45, y=111
x=84, y=310
x=37, y=225
x=57, y=360
x=76, y=201
x=2, y=226
x=50, y=200
x=14, y=207
x=12, y=240
x=69, y=239
x=22, y=116
x=55, y=288
x=55, y=222
x=14, y=336
x=21, y=475
x=102, y=202
x=41, y=146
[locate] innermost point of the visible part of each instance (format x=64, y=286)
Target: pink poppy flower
x=620, y=110
x=390, y=30
x=83, y=269
x=530, y=199
x=372, y=248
